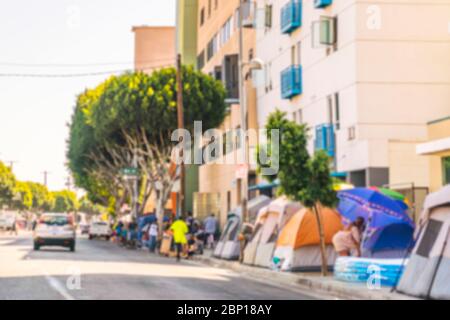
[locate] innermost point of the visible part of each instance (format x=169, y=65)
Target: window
x=299, y=53
x=337, y=111
x=324, y=32
x=351, y=133
x=202, y=17
x=201, y=60
x=216, y=4
x=330, y=108
x=209, y=8
x=300, y=116
x=429, y=238
x=446, y=166
x=268, y=76
x=218, y=73
x=231, y=76
x=268, y=16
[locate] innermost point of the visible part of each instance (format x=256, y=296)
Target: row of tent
x=286, y=231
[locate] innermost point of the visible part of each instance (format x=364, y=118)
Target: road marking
x=58, y=287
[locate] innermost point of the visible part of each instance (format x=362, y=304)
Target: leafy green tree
x=42, y=198
x=23, y=199
x=303, y=178
x=133, y=116
x=7, y=184
x=65, y=201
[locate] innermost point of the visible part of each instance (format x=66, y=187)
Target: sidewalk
x=310, y=281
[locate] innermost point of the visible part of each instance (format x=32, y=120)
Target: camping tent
x=228, y=247
x=389, y=231
x=271, y=219
x=298, y=245
x=427, y=274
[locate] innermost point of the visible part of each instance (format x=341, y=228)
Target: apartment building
x=154, y=46
x=186, y=30
x=365, y=76
x=220, y=185
x=437, y=152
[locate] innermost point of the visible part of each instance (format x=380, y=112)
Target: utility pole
x=45, y=173
x=243, y=107
x=11, y=164
x=180, y=113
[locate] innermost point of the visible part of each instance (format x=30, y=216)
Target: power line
x=70, y=65
x=77, y=75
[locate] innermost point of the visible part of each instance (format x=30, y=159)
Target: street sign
x=133, y=172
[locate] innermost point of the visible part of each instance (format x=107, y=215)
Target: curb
x=328, y=286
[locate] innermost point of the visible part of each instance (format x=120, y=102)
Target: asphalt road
x=102, y=270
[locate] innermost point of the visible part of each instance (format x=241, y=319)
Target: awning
x=264, y=186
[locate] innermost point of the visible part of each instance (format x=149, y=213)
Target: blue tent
x=389, y=229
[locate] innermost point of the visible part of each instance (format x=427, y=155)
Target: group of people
x=189, y=236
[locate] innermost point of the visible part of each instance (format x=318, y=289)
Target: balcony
x=291, y=82
x=322, y=3
x=325, y=139
x=291, y=16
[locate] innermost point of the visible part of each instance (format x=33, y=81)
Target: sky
x=60, y=37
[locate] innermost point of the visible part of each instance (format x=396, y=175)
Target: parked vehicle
x=7, y=220
x=84, y=228
x=54, y=230
x=99, y=230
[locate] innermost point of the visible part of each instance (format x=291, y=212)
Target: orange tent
x=298, y=244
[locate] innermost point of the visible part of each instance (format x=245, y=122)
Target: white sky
x=34, y=112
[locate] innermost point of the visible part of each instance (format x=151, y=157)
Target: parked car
x=54, y=230
x=84, y=228
x=99, y=230
x=7, y=220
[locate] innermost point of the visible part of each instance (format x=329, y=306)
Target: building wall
x=187, y=27
x=214, y=177
x=154, y=47
x=391, y=80
x=437, y=130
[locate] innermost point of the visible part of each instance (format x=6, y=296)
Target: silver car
x=54, y=230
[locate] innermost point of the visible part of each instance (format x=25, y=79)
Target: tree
x=42, y=199
x=23, y=199
x=132, y=117
x=65, y=201
x=7, y=184
x=302, y=177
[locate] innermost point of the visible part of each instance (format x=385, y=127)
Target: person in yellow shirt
x=179, y=229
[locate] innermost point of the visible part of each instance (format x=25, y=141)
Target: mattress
x=387, y=271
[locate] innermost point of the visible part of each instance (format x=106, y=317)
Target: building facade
x=437, y=152
x=218, y=56
x=186, y=29
x=154, y=47
x=366, y=77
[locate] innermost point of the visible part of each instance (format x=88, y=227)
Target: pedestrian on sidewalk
x=349, y=240
x=152, y=236
x=210, y=230
x=179, y=229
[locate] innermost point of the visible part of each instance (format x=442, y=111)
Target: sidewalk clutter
x=316, y=284
x=285, y=238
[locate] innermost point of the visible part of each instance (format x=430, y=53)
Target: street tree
x=43, y=199
x=303, y=178
x=130, y=118
x=65, y=201
x=23, y=197
x=7, y=184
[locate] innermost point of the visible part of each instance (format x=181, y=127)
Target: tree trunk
x=323, y=252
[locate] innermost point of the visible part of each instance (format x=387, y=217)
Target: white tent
x=427, y=274
x=271, y=219
x=228, y=247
